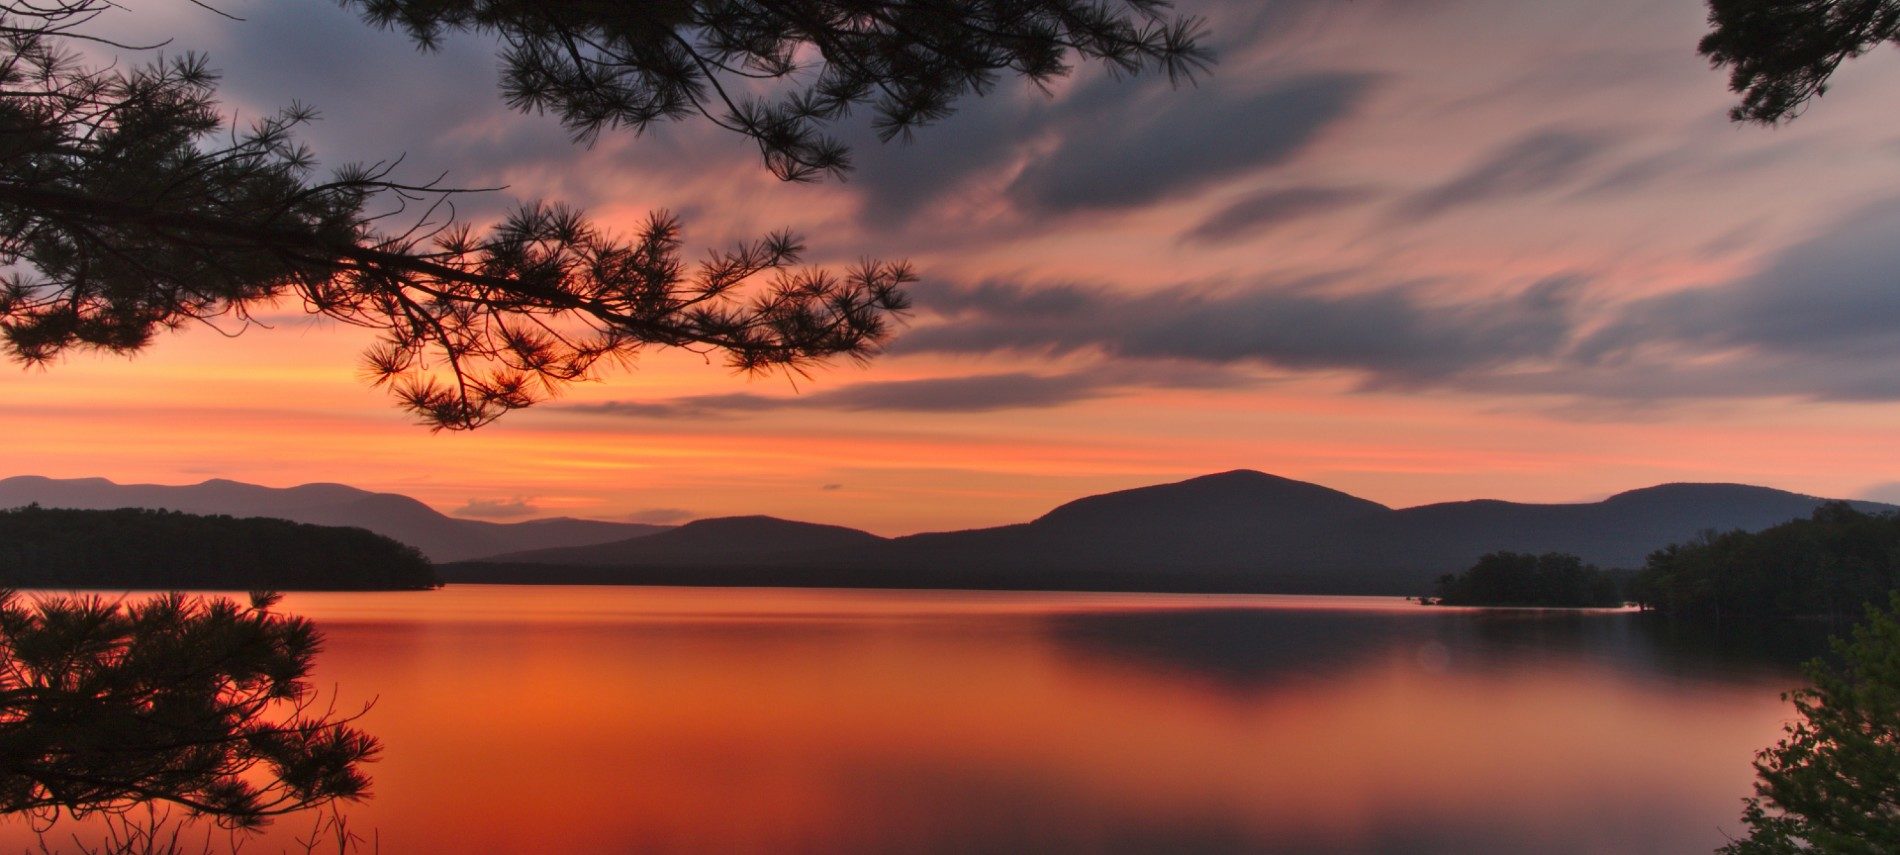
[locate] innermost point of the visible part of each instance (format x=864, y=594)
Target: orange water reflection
x=629, y=719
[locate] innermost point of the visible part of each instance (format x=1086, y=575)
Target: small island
x=1551, y=580
x=133, y=548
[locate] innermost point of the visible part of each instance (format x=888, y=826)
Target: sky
x=1416, y=250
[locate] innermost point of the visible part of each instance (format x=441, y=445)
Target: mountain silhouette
x=750, y=539
x=1240, y=531
x=440, y=537
x=1233, y=531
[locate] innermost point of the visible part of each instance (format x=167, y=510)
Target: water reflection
x=617, y=720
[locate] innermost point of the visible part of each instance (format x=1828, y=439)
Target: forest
x=1831, y=565
x=134, y=548
x=1552, y=580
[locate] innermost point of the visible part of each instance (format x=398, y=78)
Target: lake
x=612, y=720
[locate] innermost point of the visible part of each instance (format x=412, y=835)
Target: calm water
x=609, y=720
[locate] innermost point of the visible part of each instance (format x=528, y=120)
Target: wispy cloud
x=497, y=509
x=1536, y=162
x=1395, y=334
x=1111, y=159
x=979, y=393
x=1264, y=211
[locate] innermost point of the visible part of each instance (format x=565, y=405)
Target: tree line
x=1833, y=565
x=1554, y=579
x=139, y=548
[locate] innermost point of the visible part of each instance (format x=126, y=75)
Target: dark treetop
x=1833, y=784
x=143, y=549
x=1832, y=564
x=1781, y=53
x=105, y=705
x=1553, y=579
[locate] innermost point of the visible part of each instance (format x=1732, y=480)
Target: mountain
x=1223, y=522
x=1617, y=532
x=1234, y=531
x=723, y=540
x=440, y=537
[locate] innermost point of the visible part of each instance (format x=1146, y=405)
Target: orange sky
x=1474, y=249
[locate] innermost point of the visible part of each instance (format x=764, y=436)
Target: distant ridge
x=1232, y=531
x=440, y=537
x=748, y=539
x=1239, y=531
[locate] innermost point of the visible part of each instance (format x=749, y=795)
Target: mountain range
x=1233, y=531
x=440, y=537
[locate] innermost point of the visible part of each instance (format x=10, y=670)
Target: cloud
x=1821, y=321
x=1395, y=334
x=1148, y=150
x=497, y=509
x=1835, y=295
x=1265, y=211
x=900, y=179
x=661, y=516
x=832, y=488
x=1109, y=143
x=1533, y=163
x=980, y=393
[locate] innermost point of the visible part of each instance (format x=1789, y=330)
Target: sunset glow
x=1417, y=252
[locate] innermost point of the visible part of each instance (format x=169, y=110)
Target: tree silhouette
x=606, y=65
x=1832, y=564
x=1833, y=785
x=123, y=212
x=1553, y=579
x=142, y=549
x=1780, y=53
x=107, y=705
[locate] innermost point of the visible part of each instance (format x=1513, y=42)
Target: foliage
x=1830, y=564
x=124, y=210
x=1780, y=53
x=106, y=705
x=121, y=213
x=1553, y=579
x=607, y=65
x=1833, y=784
x=136, y=548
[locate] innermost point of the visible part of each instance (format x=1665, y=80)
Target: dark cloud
x=1537, y=162
x=832, y=488
x=1680, y=377
x=1148, y=150
x=497, y=509
x=979, y=393
x=899, y=179
x=1836, y=295
x=377, y=95
x=1109, y=143
x=380, y=99
x=1820, y=322
x=1267, y=210
x=1396, y=335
